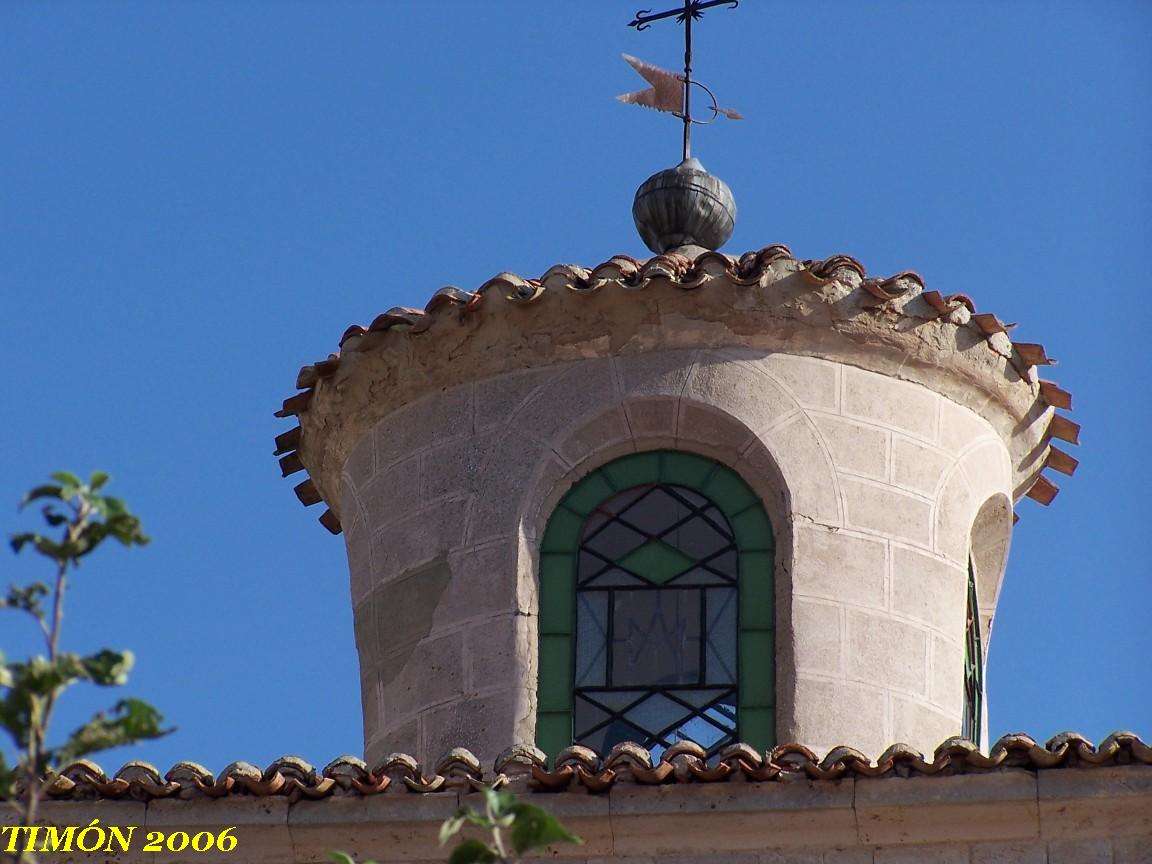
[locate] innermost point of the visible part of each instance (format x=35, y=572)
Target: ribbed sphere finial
x=684, y=206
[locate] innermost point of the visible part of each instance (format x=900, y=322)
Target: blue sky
x=197, y=198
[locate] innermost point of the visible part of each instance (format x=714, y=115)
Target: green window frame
x=756, y=609
x=973, y=664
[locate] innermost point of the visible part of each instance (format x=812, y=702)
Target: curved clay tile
x=683, y=763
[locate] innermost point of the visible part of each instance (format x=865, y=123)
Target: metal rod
x=688, y=84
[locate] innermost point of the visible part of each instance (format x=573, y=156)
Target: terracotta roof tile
x=1043, y=490
x=581, y=768
x=622, y=271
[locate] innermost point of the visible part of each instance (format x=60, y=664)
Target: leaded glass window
x=973, y=664
x=656, y=609
x=656, y=621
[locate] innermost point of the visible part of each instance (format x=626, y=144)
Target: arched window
x=973, y=664
x=657, y=609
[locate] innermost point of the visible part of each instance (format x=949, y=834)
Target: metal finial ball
x=684, y=206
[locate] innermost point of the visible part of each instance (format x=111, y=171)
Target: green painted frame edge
x=756, y=711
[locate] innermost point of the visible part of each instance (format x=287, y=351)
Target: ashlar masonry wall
x=872, y=485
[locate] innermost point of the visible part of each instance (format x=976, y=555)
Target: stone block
x=1132, y=850
x=586, y=389
x=719, y=820
x=370, y=702
x=453, y=470
x=599, y=434
x=361, y=462
x=947, y=676
x=955, y=509
x=917, y=467
x=393, y=493
x=364, y=625
x=960, y=427
x=358, y=547
x=988, y=470
x=655, y=373
x=423, y=536
x=856, y=448
x=512, y=483
x=485, y=724
x=413, y=679
x=807, y=468
x=921, y=725
x=260, y=826
x=891, y=403
x=882, y=649
x=483, y=581
x=427, y=421
x=500, y=652
x=396, y=826
x=838, y=566
x=786, y=856
x=817, y=635
x=887, y=511
x=498, y=398
x=956, y=810
x=652, y=418
x=849, y=856
x=813, y=382
x=1113, y=801
x=404, y=738
x=399, y=614
x=587, y=817
x=930, y=590
x=949, y=853
x=1010, y=853
x=1098, y=851
x=738, y=389
x=720, y=434
x=833, y=713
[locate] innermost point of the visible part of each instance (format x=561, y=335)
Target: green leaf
x=40, y=543
x=452, y=826
x=26, y=599
x=500, y=804
x=41, y=492
x=53, y=516
x=98, y=480
x=7, y=779
x=130, y=720
x=472, y=850
x=338, y=857
x=108, y=668
x=66, y=478
x=535, y=827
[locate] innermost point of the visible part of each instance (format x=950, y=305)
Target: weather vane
x=670, y=91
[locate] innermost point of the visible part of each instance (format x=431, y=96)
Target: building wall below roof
x=1101, y=815
x=872, y=485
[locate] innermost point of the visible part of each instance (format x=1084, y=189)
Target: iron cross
x=692, y=10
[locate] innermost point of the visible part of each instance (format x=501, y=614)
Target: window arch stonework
x=657, y=619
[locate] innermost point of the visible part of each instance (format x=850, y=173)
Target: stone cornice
x=766, y=300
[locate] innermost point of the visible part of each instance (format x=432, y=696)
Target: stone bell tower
x=698, y=497
x=885, y=430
